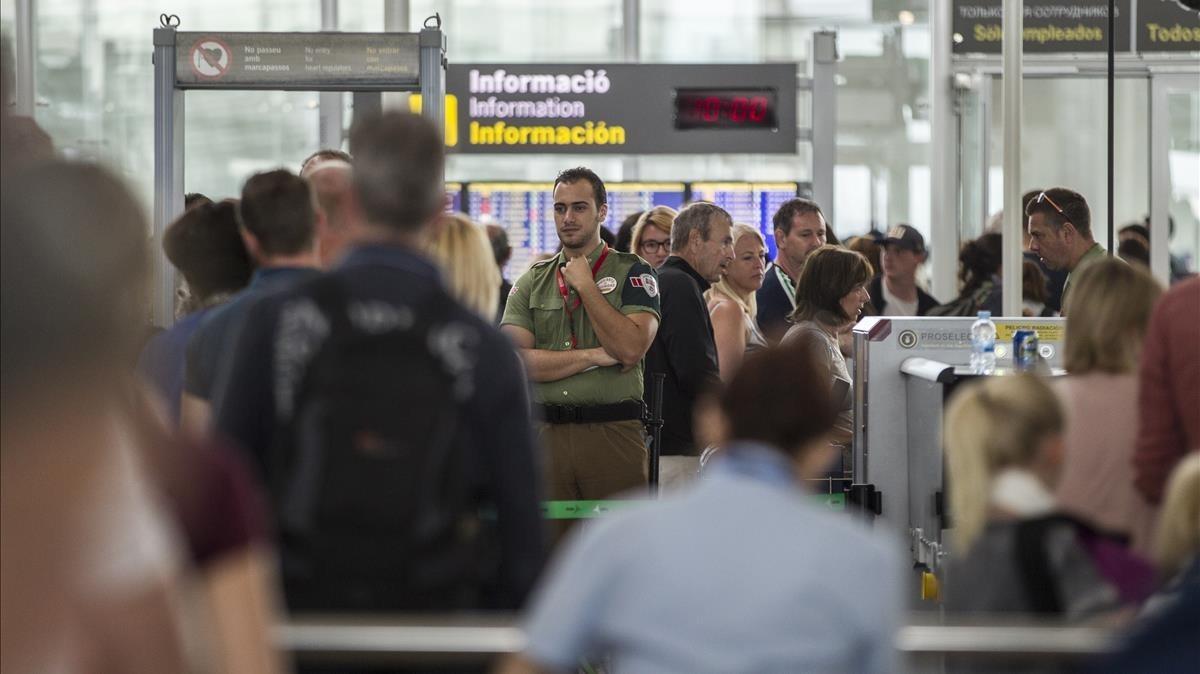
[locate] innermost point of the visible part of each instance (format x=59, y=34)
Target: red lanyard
x=566, y=293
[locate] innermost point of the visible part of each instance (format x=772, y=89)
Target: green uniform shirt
x=536, y=304
x=1093, y=254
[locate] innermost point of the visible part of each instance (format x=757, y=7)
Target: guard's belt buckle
x=563, y=414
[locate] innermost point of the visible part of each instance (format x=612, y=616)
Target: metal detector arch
x=317, y=61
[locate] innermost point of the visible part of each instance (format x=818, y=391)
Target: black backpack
x=368, y=476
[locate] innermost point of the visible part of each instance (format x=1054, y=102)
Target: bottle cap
x=985, y=314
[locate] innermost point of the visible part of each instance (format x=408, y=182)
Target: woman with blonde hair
x=1013, y=551
x=1177, y=535
x=652, y=235
x=731, y=301
x=463, y=252
x=1110, y=310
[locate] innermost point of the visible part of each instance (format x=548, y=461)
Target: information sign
x=1049, y=26
x=621, y=108
x=1162, y=25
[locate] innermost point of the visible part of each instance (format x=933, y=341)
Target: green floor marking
x=582, y=510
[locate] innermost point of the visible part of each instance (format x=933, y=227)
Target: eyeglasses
x=654, y=246
x=1042, y=196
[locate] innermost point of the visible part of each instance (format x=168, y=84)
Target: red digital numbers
x=736, y=109
x=729, y=109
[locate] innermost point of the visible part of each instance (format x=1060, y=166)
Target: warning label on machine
x=1046, y=333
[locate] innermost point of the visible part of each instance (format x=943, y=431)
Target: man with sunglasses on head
x=1060, y=233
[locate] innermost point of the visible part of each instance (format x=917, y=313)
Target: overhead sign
x=298, y=61
x=1162, y=25
x=1049, y=26
x=622, y=108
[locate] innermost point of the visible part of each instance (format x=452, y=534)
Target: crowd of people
x=355, y=412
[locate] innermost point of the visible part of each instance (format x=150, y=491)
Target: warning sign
x=210, y=58
x=1045, y=332
x=298, y=61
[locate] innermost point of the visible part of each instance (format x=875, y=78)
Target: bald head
x=332, y=183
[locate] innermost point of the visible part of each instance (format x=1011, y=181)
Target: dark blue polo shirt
x=162, y=359
x=213, y=341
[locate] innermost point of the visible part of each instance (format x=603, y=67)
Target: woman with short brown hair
x=830, y=294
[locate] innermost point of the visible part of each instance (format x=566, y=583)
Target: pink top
x=1096, y=483
x=1170, y=388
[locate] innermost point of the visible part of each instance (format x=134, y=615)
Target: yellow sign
x=414, y=106
x=1045, y=332
x=931, y=589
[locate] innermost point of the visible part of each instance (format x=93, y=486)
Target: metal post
x=433, y=72
x=168, y=166
x=1013, y=27
x=824, y=120
x=25, y=55
x=1112, y=81
x=395, y=15
x=396, y=20
x=656, y=424
x=1160, y=180
x=943, y=168
x=329, y=124
x=631, y=47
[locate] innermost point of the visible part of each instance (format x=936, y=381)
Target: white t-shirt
x=894, y=305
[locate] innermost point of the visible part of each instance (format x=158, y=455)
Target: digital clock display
x=725, y=109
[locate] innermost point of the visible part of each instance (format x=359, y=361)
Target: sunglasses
x=1042, y=196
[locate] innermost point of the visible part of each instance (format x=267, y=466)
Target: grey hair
x=698, y=217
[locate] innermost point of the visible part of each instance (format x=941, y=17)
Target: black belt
x=630, y=410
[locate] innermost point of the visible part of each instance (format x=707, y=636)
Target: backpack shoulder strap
x=1033, y=564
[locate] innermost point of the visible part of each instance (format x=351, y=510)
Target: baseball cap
x=905, y=237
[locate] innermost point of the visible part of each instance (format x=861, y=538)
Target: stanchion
x=656, y=423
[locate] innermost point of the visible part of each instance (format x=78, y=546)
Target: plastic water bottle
x=983, y=344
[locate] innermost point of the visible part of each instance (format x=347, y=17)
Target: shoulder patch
x=646, y=282
x=641, y=286
x=513, y=290
x=606, y=285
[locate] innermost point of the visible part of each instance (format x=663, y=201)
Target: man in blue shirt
x=278, y=219
x=742, y=573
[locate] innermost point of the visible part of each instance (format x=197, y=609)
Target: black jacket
x=875, y=307
x=684, y=350
x=503, y=458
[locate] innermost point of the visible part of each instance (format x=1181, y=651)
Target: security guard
x=582, y=321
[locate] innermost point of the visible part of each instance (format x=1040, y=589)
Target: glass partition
x=1183, y=170
x=1064, y=143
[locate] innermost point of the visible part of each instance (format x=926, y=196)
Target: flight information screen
x=624, y=199
x=526, y=211
x=454, y=204
x=753, y=204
